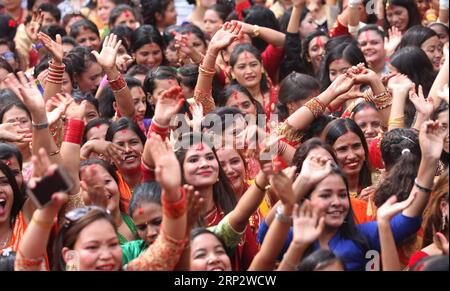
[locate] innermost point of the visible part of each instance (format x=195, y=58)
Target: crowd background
x=338, y=144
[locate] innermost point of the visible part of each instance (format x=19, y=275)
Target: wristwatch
x=255, y=32
x=280, y=215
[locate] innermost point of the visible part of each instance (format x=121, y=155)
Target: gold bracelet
x=42, y=224
x=207, y=72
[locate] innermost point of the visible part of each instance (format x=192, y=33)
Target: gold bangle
x=207, y=72
x=43, y=224
x=315, y=106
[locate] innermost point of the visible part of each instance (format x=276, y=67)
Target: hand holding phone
x=58, y=181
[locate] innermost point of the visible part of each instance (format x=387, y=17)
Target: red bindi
x=234, y=95
x=140, y=211
x=127, y=14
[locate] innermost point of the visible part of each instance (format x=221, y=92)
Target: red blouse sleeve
x=339, y=29
x=272, y=58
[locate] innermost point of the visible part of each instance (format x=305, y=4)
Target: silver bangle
x=280, y=215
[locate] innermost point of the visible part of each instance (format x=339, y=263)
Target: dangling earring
x=233, y=76
x=444, y=221
x=263, y=71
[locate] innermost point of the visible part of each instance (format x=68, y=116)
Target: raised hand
x=32, y=27
x=392, y=41
x=229, y=32
x=107, y=57
x=391, y=207
x=342, y=84
x=105, y=149
x=400, y=83
x=123, y=61
x=74, y=110
x=29, y=94
x=307, y=225
x=298, y=3
x=93, y=188
x=315, y=168
x=168, y=105
x=425, y=107
x=56, y=107
x=196, y=110
x=55, y=48
x=431, y=139
x=281, y=182
x=195, y=204
x=367, y=193
x=167, y=168
x=12, y=132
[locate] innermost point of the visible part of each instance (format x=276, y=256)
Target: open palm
x=307, y=225
x=168, y=172
x=54, y=47
x=226, y=35
x=107, y=57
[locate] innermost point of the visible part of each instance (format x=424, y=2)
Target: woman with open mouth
x=327, y=192
x=87, y=238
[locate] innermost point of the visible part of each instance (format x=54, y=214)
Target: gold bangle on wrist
x=41, y=223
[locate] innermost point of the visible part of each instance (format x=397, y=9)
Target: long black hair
x=19, y=199
x=338, y=128
x=348, y=51
x=293, y=88
x=223, y=193
x=416, y=36
x=238, y=50
x=414, y=63
x=348, y=229
x=413, y=12
x=401, y=155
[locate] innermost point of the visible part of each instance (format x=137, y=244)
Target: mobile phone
x=59, y=181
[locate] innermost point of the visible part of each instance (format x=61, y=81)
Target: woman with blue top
x=325, y=188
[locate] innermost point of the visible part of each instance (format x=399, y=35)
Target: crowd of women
x=224, y=135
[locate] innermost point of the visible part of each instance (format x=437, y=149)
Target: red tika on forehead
x=140, y=211
x=246, y=56
x=198, y=147
x=319, y=41
x=234, y=95
x=127, y=14
x=98, y=126
x=123, y=131
x=85, y=28
x=367, y=36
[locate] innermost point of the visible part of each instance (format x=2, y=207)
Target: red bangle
x=174, y=209
x=73, y=131
x=118, y=83
x=163, y=132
